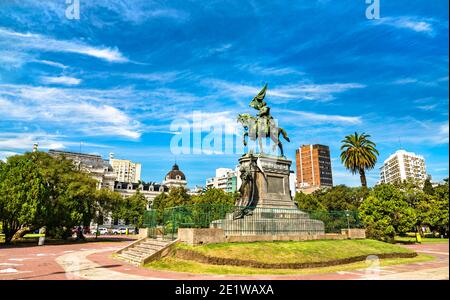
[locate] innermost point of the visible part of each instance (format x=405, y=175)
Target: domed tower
x=175, y=178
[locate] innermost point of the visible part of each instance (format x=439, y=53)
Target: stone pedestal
x=271, y=208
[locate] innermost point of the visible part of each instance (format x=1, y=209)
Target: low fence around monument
x=165, y=223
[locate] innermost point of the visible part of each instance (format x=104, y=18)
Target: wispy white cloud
x=24, y=141
x=77, y=109
x=12, y=143
x=211, y=51
x=157, y=76
x=12, y=59
x=138, y=11
x=9, y=38
x=299, y=91
x=275, y=71
x=64, y=80
x=427, y=107
x=323, y=92
x=220, y=48
x=408, y=80
x=410, y=130
x=405, y=81
x=422, y=25
x=322, y=118
x=50, y=63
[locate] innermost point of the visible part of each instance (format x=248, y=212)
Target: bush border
x=201, y=258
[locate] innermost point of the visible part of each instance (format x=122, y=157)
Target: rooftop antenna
x=80, y=146
x=400, y=143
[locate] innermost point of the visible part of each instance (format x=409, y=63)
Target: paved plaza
x=91, y=261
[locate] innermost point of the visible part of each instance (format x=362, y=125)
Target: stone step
x=161, y=243
x=129, y=259
x=138, y=252
x=134, y=254
x=142, y=251
x=147, y=247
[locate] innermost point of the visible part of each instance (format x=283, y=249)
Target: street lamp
x=347, y=214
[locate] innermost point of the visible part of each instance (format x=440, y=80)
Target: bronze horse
x=262, y=127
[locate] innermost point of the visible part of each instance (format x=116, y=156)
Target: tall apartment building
x=401, y=166
x=313, y=166
x=225, y=179
x=125, y=170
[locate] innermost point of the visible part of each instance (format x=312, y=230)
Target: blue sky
x=115, y=79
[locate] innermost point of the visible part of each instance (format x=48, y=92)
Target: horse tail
x=283, y=132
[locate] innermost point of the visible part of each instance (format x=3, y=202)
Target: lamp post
x=347, y=214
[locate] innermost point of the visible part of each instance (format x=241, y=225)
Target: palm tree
x=359, y=154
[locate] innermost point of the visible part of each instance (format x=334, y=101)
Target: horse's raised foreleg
x=284, y=133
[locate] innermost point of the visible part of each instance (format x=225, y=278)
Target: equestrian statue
x=263, y=125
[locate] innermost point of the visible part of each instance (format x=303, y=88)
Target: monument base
x=270, y=221
x=272, y=210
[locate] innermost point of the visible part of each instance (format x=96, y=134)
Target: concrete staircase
x=142, y=251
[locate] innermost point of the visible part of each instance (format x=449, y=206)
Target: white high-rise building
x=225, y=179
x=403, y=165
x=125, y=170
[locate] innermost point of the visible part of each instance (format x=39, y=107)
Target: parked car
x=115, y=231
x=102, y=231
x=121, y=230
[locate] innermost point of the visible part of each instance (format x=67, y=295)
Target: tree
x=22, y=192
x=337, y=198
x=387, y=213
x=359, y=154
x=159, y=204
x=38, y=190
x=428, y=187
x=442, y=196
x=309, y=202
x=131, y=209
x=215, y=197
x=178, y=196
x=106, y=202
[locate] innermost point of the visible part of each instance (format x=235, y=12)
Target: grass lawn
x=296, y=252
x=178, y=265
x=285, y=252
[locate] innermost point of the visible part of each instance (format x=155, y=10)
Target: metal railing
x=243, y=220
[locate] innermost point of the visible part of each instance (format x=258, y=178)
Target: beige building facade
x=313, y=166
x=125, y=170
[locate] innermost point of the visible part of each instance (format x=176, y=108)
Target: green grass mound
x=283, y=253
x=173, y=264
x=295, y=252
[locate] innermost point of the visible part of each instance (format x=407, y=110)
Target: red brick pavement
x=38, y=262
